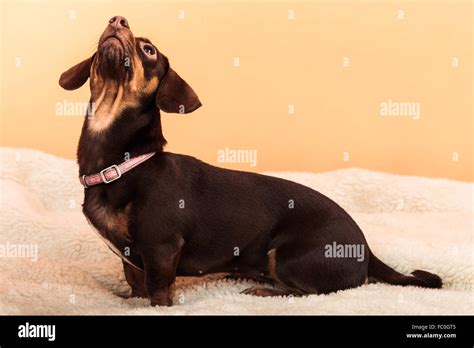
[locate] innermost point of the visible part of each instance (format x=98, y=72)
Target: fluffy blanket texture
x=409, y=222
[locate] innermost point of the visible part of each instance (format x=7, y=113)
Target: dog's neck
x=107, y=101
x=130, y=131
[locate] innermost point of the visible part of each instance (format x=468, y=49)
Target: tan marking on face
x=110, y=97
x=139, y=85
x=106, y=108
x=99, y=100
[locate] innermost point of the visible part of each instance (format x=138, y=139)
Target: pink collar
x=114, y=172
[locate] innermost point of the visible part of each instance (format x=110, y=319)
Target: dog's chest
x=112, y=225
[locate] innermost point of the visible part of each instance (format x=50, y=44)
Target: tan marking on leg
x=266, y=292
x=272, y=264
x=272, y=269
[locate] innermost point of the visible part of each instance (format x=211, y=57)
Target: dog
x=169, y=215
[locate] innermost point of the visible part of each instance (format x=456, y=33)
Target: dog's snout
x=119, y=22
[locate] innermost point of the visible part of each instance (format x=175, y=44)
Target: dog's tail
x=380, y=272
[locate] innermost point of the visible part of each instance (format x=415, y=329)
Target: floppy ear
x=76, y=76
x=175, y=95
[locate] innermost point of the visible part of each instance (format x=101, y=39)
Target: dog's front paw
x=167, y=303
x=161, y=299
x=140, y=293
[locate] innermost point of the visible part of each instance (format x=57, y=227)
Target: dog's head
x=130, y=71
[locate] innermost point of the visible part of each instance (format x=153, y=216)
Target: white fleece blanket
x=409, y=222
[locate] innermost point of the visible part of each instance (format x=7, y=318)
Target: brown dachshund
x=169, y=215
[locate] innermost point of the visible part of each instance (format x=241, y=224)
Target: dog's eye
x=150, y=50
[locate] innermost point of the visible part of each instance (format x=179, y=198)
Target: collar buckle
x=117, y=170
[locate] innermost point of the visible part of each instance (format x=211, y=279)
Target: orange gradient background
x=282, y=62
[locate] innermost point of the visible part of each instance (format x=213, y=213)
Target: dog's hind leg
x=247, y=277
x=265, y=292
x=282, y=290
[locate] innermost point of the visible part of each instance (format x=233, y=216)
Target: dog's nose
x=119, y=22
